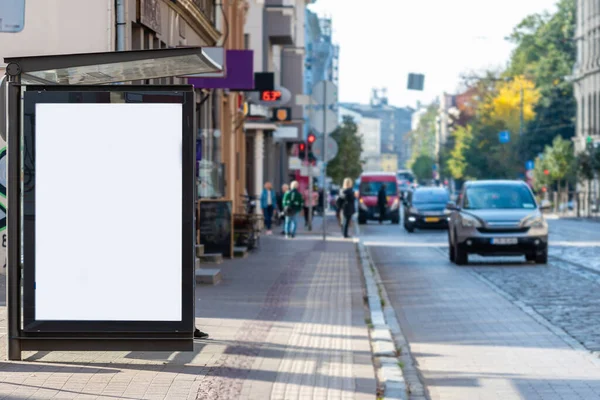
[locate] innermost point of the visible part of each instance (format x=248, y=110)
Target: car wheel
x=461, y=257
x=542, y=258
x=396, y=220
x=409, y=228
x=530, y=257
x=451, y=254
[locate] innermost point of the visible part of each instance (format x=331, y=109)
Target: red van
x=370, y=183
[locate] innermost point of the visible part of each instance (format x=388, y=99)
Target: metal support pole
x=309, y=173
x=13, y=273
x=521, y=114
x=324, y=166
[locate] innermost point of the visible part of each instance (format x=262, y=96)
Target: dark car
x=426, y=208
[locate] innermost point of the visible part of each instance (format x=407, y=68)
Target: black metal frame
x=91, y=335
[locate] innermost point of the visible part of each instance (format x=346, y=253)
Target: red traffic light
x=546, y=172
x=301, y=147
x=311, y=138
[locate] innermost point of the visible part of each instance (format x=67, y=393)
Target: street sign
x=12, y=15
x=294, y=163
x=330, y=123
x=416, y=81
x=325, y=93
x=504, y=137
x=315, y=171
x=529, y=165
x=332, y=149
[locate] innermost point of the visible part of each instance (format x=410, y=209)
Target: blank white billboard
x=108, y=225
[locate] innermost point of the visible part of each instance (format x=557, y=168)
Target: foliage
x=457, y=163
x=423, y=138
x=423, y=167
x=347, y=163
x=540, y=179
x=585, y=166
x=546, y=52
x=543, y=58
x=560, y=159
x=505, y=105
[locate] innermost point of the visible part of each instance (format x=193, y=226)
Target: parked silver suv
x=497, y=217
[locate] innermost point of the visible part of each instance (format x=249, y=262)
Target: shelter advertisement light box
x=108, y=208
x=97, y=258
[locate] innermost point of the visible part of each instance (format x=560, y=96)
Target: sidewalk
x=288, y=322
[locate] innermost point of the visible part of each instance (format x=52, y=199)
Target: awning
x=111, y=67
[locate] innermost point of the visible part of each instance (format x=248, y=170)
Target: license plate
x=432, y=219
x=504, y=241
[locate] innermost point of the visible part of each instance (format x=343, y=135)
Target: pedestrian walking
x=268, y=200
x=345, y=203
x=284, y=189
x=382, y=202
x=292, y=205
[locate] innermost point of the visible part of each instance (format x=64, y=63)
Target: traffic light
x=310, y=139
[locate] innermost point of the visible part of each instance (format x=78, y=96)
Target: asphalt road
x=498, y=328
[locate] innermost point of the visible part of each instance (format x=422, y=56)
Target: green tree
x=540, y=179
x=457, y=162
x=546, y=52
x=423, y=167
x=561, y=161
x=423, y=138
x=347, y=163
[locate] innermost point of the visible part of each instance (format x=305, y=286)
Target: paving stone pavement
x=288, y=322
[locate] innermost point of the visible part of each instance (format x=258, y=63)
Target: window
x=372, y=188
x=483, y=197
x=431, y=197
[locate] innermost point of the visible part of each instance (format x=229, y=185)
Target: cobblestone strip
x=324, y=370
x=225, y=379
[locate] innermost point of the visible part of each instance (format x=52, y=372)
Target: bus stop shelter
x=92, y=262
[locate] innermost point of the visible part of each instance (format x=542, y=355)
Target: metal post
x=309, y=172
x=323, y=173
x=13, y=273
x=521, y=115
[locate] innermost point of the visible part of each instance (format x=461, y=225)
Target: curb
x=396, y=373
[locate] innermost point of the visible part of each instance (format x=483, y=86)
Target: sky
x=381, y=41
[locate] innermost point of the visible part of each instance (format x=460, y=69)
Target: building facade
x=275, y=32
x=587, y=73
x=395, y=125
x=369, y=129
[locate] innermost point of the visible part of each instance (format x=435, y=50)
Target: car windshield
x=405, y=176
x=424, y=196
x=372, y=188
x=498, y=196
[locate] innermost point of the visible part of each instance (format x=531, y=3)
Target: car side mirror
x=452, y=206
x=545, y=205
